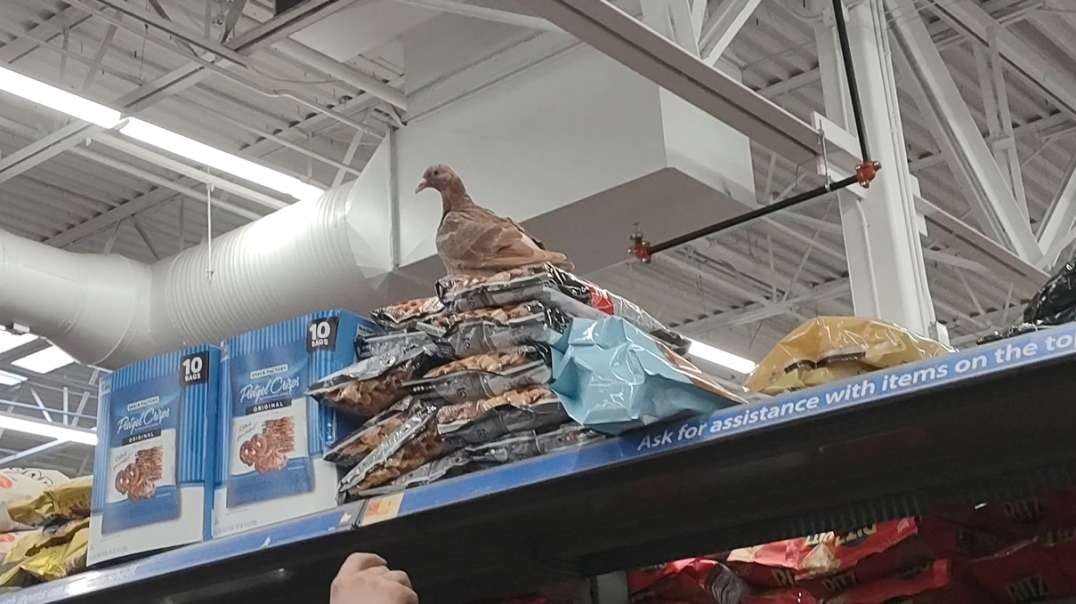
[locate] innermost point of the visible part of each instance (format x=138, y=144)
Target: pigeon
x=474, y=241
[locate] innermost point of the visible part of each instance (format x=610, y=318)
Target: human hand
x=366, y=579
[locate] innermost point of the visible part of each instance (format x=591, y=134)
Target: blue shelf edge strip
x=1051, y=344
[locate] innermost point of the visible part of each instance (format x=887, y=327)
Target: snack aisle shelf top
x=974, y=424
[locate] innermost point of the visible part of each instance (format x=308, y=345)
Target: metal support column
x=885, y=258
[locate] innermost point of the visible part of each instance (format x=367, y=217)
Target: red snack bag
x=932, y=583
x=921, y=540
x=783, y=563
x=793, y=595
x=1062, y=544
x=694, y=581
x=1025, y=518
x=1025, y=572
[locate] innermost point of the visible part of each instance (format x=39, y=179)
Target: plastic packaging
x=1055, y=303
x=548, y=284
x=412, y=444
x=614, y=377
x=824, y=349
x=533, y=407
x=397, y=343
x=930, y=583
x=792, y=595
x=514, y=447
x=1025, y=572
x=405, y=314
x=46, y=553
x=791, y=561
x=484, y=375
x=23, y=484
x=352, y=448
x=472, y=332
x=375, y=383
x=67, y=501
x=695, y=580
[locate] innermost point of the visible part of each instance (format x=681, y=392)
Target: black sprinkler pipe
x=864, y=174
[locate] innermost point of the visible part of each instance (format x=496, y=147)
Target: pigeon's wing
x=537, y=241
x=477, y=241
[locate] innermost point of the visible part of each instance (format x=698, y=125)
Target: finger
x=398, y=576
x=407, y=595
x=358, y=562
x=377, y=571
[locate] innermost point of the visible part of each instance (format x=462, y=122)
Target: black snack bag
x=1055, y=303
x=548, y=284
x=370, y=386
x=351, y=449
x=533, y=407
x=483, y=330
x=397, y=343
x=407, y=313
x=484, y=375
x=515, y=447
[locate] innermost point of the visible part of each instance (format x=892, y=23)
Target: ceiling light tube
x=44, y=360
x=107, y=117
x=8, y=422
x=721, y=357
x=217, y=159
x=58, y=99
x=11, y=379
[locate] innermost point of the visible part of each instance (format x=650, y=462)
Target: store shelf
x=987, y=422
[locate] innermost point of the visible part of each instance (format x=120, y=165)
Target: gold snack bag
x=826, y=349
x=64, y=502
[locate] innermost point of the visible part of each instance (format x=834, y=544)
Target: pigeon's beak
x=422, y=185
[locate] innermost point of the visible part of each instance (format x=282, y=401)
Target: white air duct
x=546, y=145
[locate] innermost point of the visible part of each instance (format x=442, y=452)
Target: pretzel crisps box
x=153, y=466
x=273, y=435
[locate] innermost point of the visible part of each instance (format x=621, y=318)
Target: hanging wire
x=209, y=230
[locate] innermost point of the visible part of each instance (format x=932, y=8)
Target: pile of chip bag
x=468, y=379
x=1005, y=552
x=44, y=517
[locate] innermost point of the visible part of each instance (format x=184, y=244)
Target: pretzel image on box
x=267, y=451
x=137, y=479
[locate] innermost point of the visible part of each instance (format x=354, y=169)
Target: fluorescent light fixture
x=721, y=357
x=217, y=159
x=107, y=117
x=44, y=361
x=58, y=99
x=10, y=379
x=10, y=340
x=8, y=422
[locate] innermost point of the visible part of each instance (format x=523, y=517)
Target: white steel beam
x=648, y=53
x=964, y=237
x=999, y=122
x=969, y=18
x=881, y=238
x=168, y=84
x=22, y=456
x=959, y=136
x=69, y=17
x=1059, y=220
x=723, y=25
x=121, y=144
x=486, y=14
x=672, y=19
